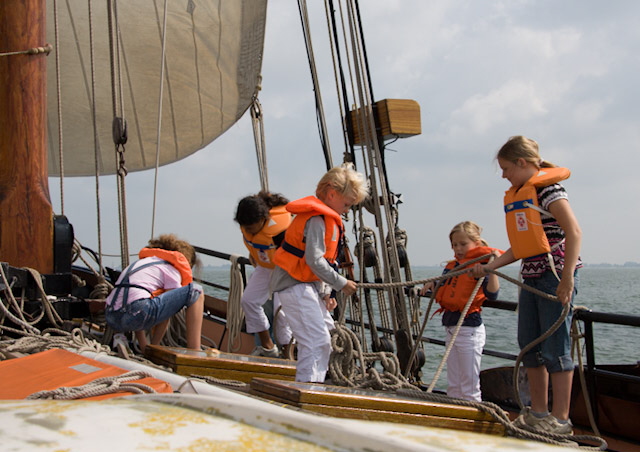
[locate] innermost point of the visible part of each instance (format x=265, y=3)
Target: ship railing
x=589, y=318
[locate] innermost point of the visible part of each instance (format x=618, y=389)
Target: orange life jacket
x=261, y=245
x=290, y=256
x=524, y=225
x=174, y=258
x=454, y=293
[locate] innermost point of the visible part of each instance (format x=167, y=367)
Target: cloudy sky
x=563, y=73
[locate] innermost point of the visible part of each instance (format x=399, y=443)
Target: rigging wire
x=119, y=127
x=59, y=103
x=159, y=127
x=361, y=118
x=322, y=126
x=95, y=136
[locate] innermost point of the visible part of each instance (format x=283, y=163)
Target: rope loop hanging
x=258, y=135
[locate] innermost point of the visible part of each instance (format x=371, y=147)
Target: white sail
x=212, y=71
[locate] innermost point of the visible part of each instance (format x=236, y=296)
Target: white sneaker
x=268, y=352
x=527, y=421
x=550, y=424
x=547, y=424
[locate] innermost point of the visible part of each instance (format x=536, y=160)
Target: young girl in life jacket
x=463, y=362
x=304, y=275
x=263, y=219
x=549, y=245
x=156, y=287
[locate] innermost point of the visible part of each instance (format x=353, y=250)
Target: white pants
x=255, y=295
x=310, y=322
x=463, y=363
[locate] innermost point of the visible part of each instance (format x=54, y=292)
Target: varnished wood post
x=26, y=218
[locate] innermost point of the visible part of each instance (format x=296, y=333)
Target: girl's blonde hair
x=346, y=181
x=171, y=242
x=519, y=147
x=471, y=230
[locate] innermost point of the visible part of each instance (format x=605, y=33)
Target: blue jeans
x=145, y=313
x=536, y=314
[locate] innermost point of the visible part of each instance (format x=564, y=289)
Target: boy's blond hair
x=346, y=181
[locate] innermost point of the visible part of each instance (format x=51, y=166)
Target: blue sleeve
x=491, y=296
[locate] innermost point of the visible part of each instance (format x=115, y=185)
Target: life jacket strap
x=297, y=252
x=518, y=205
x=259, y=246
x=125, y=284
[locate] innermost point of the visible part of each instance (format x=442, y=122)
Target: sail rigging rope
x=159, y=126
x=95, y=135
x=322, y=126
x=119, y=127
x=59, y=103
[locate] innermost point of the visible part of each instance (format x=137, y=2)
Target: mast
x=26, y=216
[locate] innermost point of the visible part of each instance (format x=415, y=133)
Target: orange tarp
x=56, y=368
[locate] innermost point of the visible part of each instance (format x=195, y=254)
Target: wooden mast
x=26, y=216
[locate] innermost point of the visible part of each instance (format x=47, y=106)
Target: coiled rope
x=98, y=387
x=344, y=371
x=52, y=338
x=47, y=307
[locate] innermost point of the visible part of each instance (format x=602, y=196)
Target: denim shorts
x=536, y=314
x=145, y=313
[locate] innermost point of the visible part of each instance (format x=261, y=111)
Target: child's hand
x=350, y=288
x=478, y=271
x=427, y=288
x=330, y=302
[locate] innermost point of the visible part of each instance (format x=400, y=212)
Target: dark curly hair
x=255, y=208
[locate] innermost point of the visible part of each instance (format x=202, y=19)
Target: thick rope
x=235, y=314
x=53, y=338
x=344, y=371
x=500, y=416
x=47, y=308
x=98, y=387
x=451, y=343
x=577, y=335
x=11, y=300
x=219, y=381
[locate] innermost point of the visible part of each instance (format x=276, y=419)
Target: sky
x=563, y=73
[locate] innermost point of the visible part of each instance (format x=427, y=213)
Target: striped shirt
x=534, y=267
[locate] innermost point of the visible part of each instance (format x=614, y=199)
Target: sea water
x=600, y=289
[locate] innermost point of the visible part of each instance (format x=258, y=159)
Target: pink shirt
x=153, y=277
